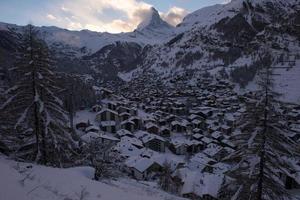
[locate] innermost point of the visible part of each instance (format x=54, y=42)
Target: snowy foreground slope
x=21, y=181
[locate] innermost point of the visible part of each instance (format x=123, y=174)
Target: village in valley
x=150, y=100
x=180, y=133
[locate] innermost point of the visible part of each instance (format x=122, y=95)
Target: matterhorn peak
x=153, y=21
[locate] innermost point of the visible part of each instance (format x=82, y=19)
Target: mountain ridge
x=153, y=33
x=227, y=37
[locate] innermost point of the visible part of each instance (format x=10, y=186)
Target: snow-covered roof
x=127, y=122
x=123, y=132
x=197, y=130
x=92, y=128
x=216, y=134
x=133, y=141
x=107, y=137
x=124, y=113
x=150, y=125
x=225, y=127
x=220, y=168
x=226, y=141
x=90, y=136
x=107, y=110
x=146, y=137
x=212, y=150
x=145, y=116
x=197, y=136
x=162, y=159
x=127, y=149
x=180, y=123
x=182, y=141
x=201, y=158
x=150, y=137
x=229, y=117
x=178, y=142
x=196, y=121
x=139, y=163
x=164, y=128
x=200, y=183
x=206, y=140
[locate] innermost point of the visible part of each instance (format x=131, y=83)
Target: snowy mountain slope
x=209, y=16
x=228, y=37
x=235, y=38
x=72, y=49
x=115, y=58
x=151, y=31
x=93, y=41
x=33, y=182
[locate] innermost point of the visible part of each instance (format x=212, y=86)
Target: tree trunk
x=44, y=147
x=262, y=153
x=71, y=111
x=34, y=91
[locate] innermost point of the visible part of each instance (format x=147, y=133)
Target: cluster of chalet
x=187, y=130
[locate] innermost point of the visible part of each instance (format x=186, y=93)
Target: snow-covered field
x=23, y=181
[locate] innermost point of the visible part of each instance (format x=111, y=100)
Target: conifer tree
x=265, y=153
x=166, y=177
x=39, y=121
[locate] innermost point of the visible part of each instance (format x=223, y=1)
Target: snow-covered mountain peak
x=153, y=21
x=154, y=28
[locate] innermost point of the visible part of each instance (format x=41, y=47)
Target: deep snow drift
x=23, y=181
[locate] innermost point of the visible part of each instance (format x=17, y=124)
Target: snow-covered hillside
x=208, y=16
x=102, y=55
x=231, y=38
x=225, y=37
x=33, y=182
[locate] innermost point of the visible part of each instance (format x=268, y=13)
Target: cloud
x=51, y=17
x=141, y=14
x=75, y=25
x=91, y=14
x=102, y=15
x=175, y=15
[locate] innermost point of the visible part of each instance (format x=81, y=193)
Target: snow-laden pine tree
x=265, y=154
x=165, y=179
x=39, y=122
x=101, y=156
x=5, y=137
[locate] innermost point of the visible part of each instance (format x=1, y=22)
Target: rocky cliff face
x=115, y=58
x=154, y=27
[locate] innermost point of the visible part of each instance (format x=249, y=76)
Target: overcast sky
x=97, y=15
